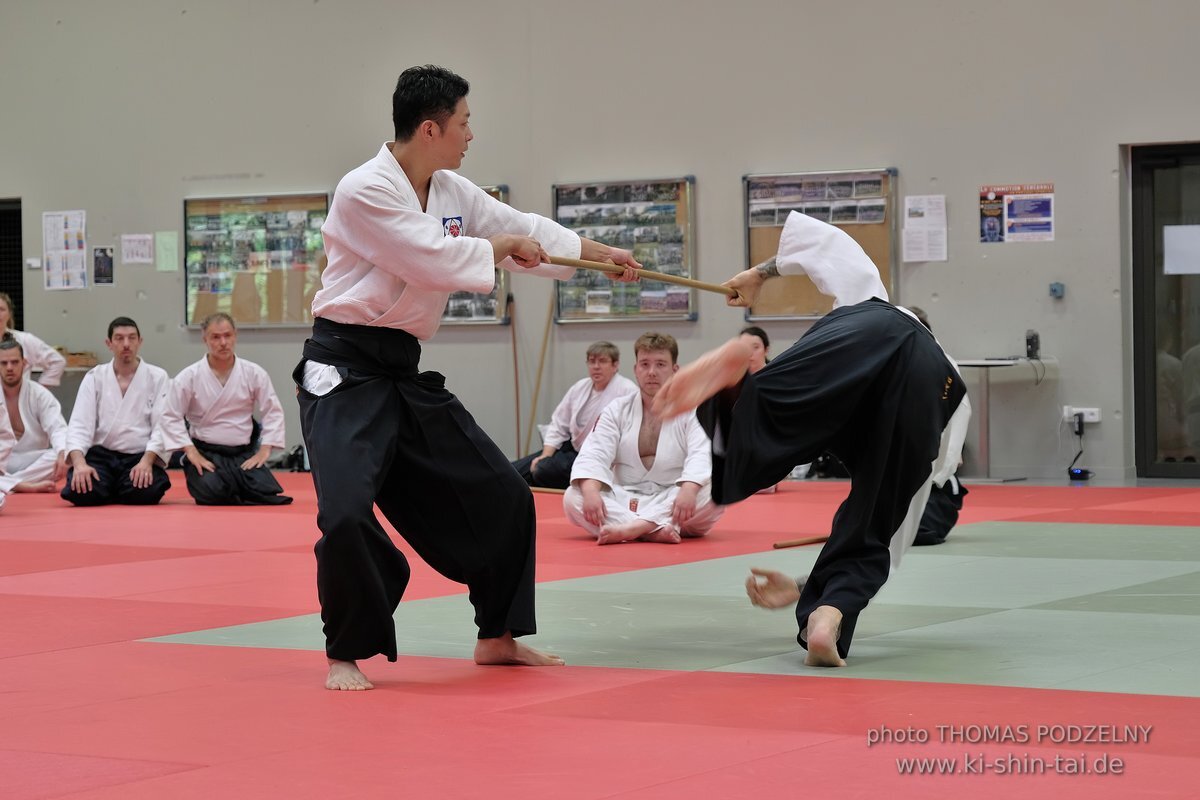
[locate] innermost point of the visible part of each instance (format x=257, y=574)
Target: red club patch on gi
x=452, y=226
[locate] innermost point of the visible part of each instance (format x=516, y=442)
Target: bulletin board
x=860, y=202
x=258, y=259
x=479, y=308
x=653, y=218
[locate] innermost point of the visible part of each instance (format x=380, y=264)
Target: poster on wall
x=137, y=248
x=652, y=218
x=1016, y=213
x=102, y=266
x=64, y=250
x=258, y=259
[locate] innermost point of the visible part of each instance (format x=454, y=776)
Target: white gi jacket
x=123, y=423
x=393, y=264
x=7, y=440
x=610, y=454
x=35, y=454
x=40, y=355
x=221, y=414
x=579, y=410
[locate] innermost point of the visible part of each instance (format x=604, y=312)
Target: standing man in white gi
x=403, y=232
x=867, y=382
x=216, y=399
x=39, y=459
x=638, y=477
x=574, y=418
x=113, y=443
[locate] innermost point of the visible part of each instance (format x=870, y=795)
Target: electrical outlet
x=1089, y=414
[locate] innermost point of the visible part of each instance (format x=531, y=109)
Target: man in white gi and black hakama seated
x=113, y=444
x=210, y=416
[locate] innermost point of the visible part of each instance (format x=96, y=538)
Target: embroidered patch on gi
x=452, y=226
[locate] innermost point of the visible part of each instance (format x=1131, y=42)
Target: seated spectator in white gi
x=575, y=417
x=38, y=460
x=7, y=441
x=639, y=477
x=216, y=399
x=113, y=444
x=38, y=354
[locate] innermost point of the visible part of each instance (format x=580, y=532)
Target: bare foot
x=507, y=650
x=824, y=624
x=663, y=535
x=35, y=486
x=703, y=378
x=345, y=676
x=626, y=532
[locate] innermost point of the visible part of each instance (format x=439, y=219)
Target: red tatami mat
x=88, y=711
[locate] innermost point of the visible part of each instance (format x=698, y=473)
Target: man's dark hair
x=9, y=342
x=422, y=93
x=123, y=322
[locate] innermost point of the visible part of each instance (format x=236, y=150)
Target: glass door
x=1166, y=302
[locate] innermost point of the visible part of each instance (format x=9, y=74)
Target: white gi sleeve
x=834, y=262
x=44, y=357
x=697, y=462
x=81, y=432
x=599, y=452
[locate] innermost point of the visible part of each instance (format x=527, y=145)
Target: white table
x=979, y=402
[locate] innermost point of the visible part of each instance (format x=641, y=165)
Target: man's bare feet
x=345, y=676
x=703, y=378
x=507, y=650
x=35, y=486
x=824, y=624
x=625, y=532
x=666, y=534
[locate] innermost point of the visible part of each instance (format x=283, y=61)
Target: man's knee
x=208, y=488
x=147, y=495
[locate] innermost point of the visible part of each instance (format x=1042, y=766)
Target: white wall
x=125, y=107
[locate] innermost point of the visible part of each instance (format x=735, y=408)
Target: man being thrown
x=638, y=477
x=867, y=382
x=39, y=457
x=113, y=440
x=575, y=417
x=216, y=398
x=403, y=232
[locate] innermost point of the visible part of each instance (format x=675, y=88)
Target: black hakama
x=229, y=484
x=391, y=436
x=870, y=384
x=112, y=483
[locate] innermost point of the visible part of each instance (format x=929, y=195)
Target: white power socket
x=1089, y=414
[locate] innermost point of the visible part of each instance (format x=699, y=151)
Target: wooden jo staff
x=644, y=274
x=801, y=542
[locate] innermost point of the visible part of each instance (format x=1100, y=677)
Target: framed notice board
x=860, y=202
x=258, y=259
x=653, y=218
x=478, y=308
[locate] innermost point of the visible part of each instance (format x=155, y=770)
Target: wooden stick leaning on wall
x=537, y=384
x=644, y=274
